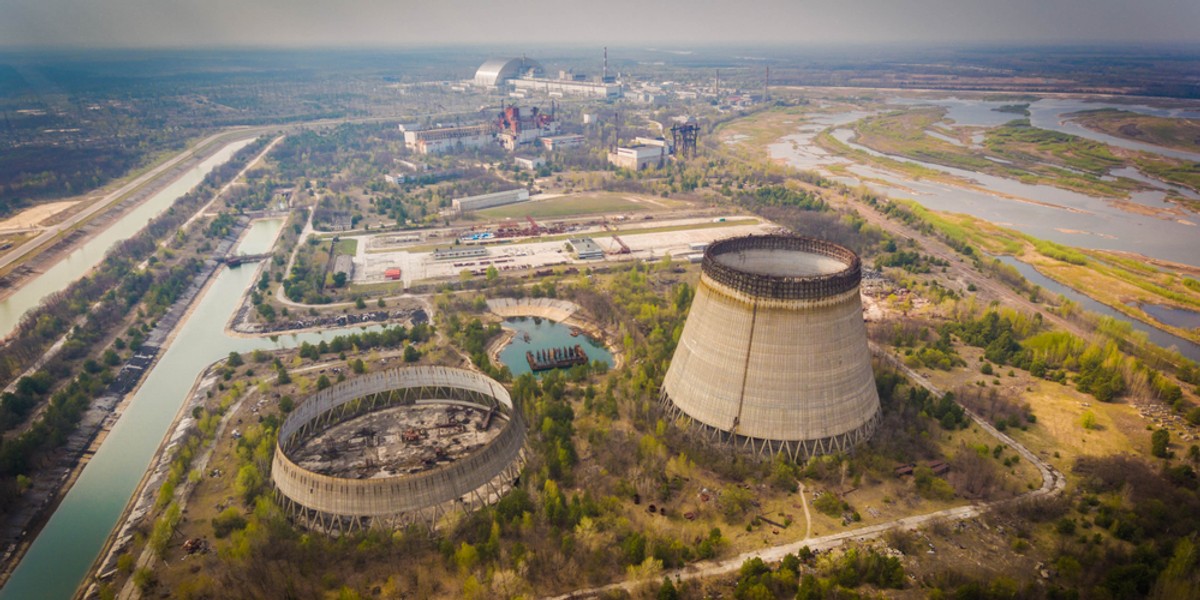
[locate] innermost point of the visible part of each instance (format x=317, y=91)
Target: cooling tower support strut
x=745, y=369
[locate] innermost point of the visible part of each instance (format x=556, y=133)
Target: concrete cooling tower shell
x=773, y=357
x=340, y=503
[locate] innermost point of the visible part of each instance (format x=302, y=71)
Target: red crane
x=624, y=247
x=533, y=226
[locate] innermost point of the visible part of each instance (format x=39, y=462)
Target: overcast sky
x=209, y=23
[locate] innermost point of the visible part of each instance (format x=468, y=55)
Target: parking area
x=632, y=241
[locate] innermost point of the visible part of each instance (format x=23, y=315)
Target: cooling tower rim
x=322, y=500
x=785, y=287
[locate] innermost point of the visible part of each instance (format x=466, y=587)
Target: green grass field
x=575, y=204
x=347, y=247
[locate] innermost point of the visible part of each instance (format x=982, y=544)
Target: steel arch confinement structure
x=773, y=358
x=341, y=505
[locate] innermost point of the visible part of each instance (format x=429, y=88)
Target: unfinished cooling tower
x=398, y=447
x=773, y=357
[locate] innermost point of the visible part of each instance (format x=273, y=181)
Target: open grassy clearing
x=1058, y=436
x=1180, y=134
x=753, y=134
x=346, y=246
x=1015, y=151
x=591, y=203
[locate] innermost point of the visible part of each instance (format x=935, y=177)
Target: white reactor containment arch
x=773, y=357
x=339, y=503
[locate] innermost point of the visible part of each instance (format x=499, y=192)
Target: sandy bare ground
x=34, y=215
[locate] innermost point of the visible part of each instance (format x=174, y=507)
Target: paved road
x=225, y=188
x=50, y=233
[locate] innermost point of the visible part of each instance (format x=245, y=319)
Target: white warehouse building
x=637, y=158
x=567, y=87
x=489, y=200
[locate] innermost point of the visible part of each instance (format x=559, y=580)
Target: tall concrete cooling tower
x=774, y=356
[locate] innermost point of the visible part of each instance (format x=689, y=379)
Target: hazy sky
x=185, y=23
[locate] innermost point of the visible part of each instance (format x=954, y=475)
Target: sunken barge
x=556, y=358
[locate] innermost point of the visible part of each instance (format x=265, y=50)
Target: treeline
x=390, y=337
x=1127, y=532
x=782, y=196
x=55, y=316
x=23, y=453
x=85, y=313
x=473, y=337
x=34, y=172
x=806, y=576
x=1009, y=339
x=909, y=260
x=306, y=281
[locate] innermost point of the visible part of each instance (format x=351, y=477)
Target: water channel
x=1175, y=317
x=82, y=259
x=1047, y=212
x=545, y=335
x=62, y=553
x=1162, y=338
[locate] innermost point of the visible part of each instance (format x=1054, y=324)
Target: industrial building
x=560, y=142
x=658, y=142
x=483, y=201
x=496, y=72
x=639, y=157
x=773, y=358
x=400, y=447
x=568, y=87
x=586, y=248
x=446, y=139
x=516, y=130
x=529, y=163
x=525, y=76
x=459, y=252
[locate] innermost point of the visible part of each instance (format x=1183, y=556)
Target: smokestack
x=605, y=77
x=767, y=85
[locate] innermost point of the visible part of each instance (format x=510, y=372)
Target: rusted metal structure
x=684, y=137
x=773, y=358
x=556, y=358
x=337, y=505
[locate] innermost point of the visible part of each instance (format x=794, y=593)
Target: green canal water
x=63, y=551
x=81, y=260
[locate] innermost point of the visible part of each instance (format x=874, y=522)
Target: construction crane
x=624, y=247
x=533, y=226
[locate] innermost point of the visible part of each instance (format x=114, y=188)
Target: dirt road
x=50, y=233
x=1053, y=482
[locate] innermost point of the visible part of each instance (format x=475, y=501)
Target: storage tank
x=773, y=357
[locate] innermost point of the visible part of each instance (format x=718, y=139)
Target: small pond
x=535, y=334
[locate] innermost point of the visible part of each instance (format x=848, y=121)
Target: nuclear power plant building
x=773, y=357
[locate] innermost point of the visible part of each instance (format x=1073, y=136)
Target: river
x=1159, y=337
x=1047, y=212
x=64, y=550
x=82, y=259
